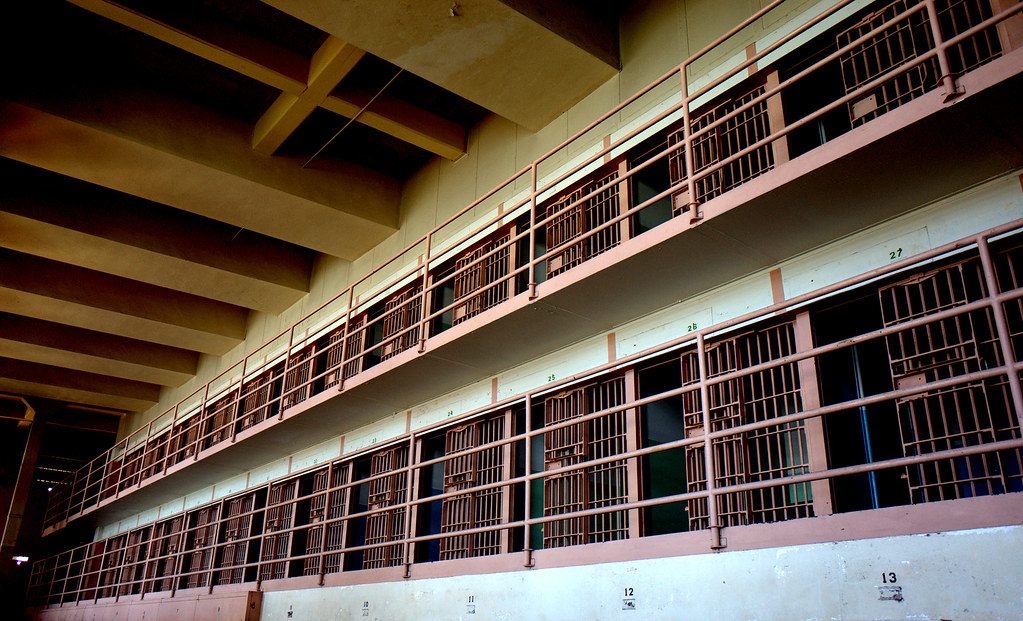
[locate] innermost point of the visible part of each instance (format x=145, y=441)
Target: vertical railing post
x=687, y=133
x=325, y=520
x=170, y=439
x=708, y=449
x=424, y=295
x=1002, y=327
x=411, y=495
x=238, y=411
x=344, y=340
x=532, y=232
x=526, y=535
x=201, y=422
x=120, y=469
x=287, y=369
x=947, y=79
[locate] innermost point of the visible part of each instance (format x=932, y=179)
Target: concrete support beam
x=57, y=218
x=40, y=380
x=284, y=70
x=403, y=121
x=62, y=293
x=54, y=344
x=485, y=50
x=284, y=75
x=26, y=471
x=331, y=63
x=202, y=163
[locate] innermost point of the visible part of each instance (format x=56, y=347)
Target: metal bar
x=947, y=79
x=1002, y=327
x=708, y=449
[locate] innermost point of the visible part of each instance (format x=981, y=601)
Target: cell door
x=316, y=514
x=235, y=531
x=752, y=456
x=592, y=487
x=965, y=414
x=573, y=215
x=280, y=516
x=163, y=555
x=400, y=320
x=478, y=508
x=386, y=524
x=478, y=284
x=200, y=541
x=296, y=379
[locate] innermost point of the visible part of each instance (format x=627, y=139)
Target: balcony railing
x=624, y=174
x=900, y=387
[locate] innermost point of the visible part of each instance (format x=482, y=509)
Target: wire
x=353, y=119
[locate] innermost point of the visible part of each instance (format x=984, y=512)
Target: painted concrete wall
x=963, y=575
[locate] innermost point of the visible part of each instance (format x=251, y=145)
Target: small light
x=18, y=560
x=49, y=489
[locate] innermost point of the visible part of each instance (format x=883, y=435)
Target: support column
x=1010, y=32
x=809, y=393
x=13, y=578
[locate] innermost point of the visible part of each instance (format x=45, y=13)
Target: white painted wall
x=963, y=575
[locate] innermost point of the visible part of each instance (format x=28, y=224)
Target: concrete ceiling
x=168, y=168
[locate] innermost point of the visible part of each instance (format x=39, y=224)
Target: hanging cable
x=353, y=119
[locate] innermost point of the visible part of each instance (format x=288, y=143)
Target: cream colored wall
x=655, y=35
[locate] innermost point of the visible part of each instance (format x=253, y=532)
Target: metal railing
x=559, y=468
x=555, y=214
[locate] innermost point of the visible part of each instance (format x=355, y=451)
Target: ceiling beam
x=329, y=65
x=61, y=293
x=40, y=380
x=45, y=342
x=286, y=76
x=420, y=128
x=202, y=163
x=400, y=119
x=58, y=218
x=499, y=57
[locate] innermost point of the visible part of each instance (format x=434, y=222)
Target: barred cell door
x=156, y=450
x=91, y=571
x=336, y=529
x=163, y=555
x=315, y=517
x=296, y=378
x=473, y=509
x=966, y=414
x=753, y=456
x=234, y=537
x=183, y=436
x=131, y=467
x=218, y=415
x=401, y=318
x=478, y=283
x=113, y=475
x=386, y=524
x=257, y=394
x=739, y=131
x=113, y=555
x=135, y=552
x=280, y=517
x=199, y=558
x=576, y=213
x=334, y=352
x=354, y=347
x=602, y=485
